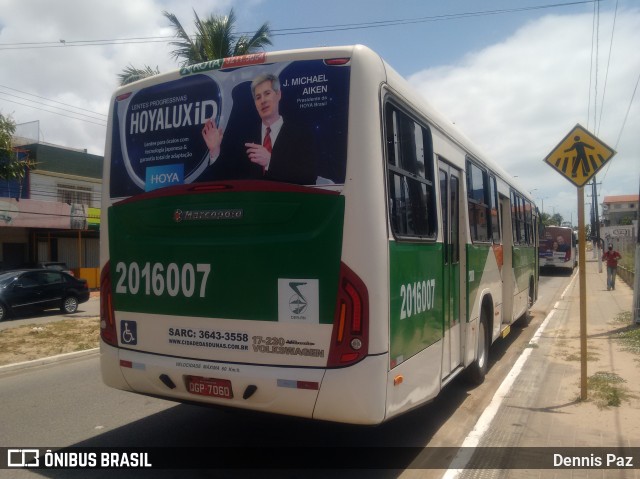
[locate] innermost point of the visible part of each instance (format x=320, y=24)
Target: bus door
x=508, y=278
x=450, y=199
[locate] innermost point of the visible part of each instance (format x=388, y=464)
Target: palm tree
x=131, y=74
x=215, y=38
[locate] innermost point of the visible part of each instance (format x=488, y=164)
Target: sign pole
x=583, y=295
x=578, y=157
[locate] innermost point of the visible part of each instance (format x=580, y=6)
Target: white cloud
x=82, y=76
x=516, y=100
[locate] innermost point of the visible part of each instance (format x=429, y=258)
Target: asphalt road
x=66, y=404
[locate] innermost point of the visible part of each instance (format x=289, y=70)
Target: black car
x=40, y=288
x=57, y=266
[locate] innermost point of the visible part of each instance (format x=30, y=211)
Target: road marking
x=465, y=453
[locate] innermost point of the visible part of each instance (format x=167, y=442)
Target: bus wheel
x=478, y=369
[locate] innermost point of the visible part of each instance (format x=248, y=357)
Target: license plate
x=219, y=388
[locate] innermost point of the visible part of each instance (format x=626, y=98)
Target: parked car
x=58, y=266
x=40, y=288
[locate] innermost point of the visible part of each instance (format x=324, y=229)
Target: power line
x=275, y=32
x=99, y=119
x=446, y=17
x=594, y=49
x=104, y=124
x=606, y=77
x=626, y=116
x=82, y=43
x=52, y=101
x=624, y=122
x=295, y=30
x=52, y=106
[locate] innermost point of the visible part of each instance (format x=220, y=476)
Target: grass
x=630, y=336
x=607, y=389
x=29, y=342
x=578, y=357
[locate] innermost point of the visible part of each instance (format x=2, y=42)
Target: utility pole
x=595, y=193
x=636, y=276
x=595, y=223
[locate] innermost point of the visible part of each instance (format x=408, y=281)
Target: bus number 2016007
x=417, y=297
x=157, y=279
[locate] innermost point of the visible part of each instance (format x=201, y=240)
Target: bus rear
x=223, y=279
x=558, y=248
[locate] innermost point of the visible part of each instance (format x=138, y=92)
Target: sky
x=514, y=76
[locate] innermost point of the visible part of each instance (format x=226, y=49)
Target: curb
x=43, y=361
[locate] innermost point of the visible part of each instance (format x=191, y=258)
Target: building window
x=74, y=194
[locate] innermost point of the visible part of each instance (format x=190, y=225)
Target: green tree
x=215, y=38
x=556, y=219
x=11, y=166
x=131, y=74
x=545, y=219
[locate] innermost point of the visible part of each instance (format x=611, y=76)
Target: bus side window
x=495, y=211
x=515, y=221
x=478, y=199
x=410, y=175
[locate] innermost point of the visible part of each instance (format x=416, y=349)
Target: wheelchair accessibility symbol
x=129, y=332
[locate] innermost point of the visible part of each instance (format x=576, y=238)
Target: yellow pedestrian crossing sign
x=579, y=156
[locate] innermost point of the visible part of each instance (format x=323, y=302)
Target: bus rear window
x=283, y=122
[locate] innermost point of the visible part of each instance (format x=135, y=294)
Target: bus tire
x=478, y=369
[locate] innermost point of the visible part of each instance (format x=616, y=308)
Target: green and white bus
x=344, y=269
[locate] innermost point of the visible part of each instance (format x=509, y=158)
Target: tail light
x=108, y=331
x=350, y=336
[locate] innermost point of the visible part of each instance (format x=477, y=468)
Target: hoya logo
x=165, y=175
x=164, y=178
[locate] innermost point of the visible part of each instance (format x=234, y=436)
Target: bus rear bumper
x=353, y=395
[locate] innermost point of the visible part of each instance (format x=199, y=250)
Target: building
x=620, y=210
x=54, y=214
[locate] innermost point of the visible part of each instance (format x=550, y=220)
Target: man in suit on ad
x=274, y=150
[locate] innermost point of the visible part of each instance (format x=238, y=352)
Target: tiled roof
x=621, y=199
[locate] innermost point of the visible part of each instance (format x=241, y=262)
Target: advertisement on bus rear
x=556, y=245
x=284, y=122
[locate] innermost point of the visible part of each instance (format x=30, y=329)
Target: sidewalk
x=543, y=407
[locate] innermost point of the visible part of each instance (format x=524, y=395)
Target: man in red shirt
x=611, y=256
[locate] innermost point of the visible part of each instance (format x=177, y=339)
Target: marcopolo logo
x=207, y=215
